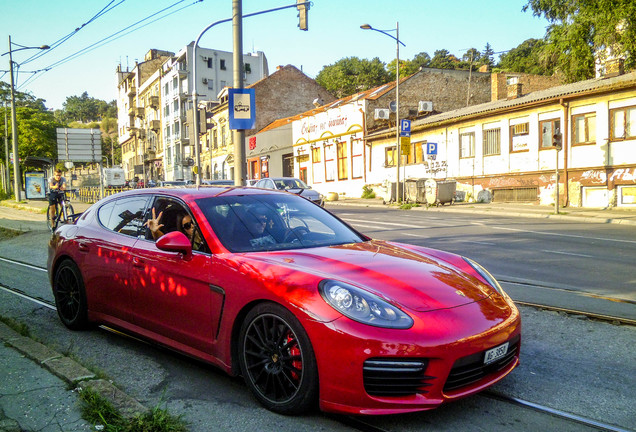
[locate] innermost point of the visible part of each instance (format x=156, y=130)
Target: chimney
x=513, y=87
x=614, y=67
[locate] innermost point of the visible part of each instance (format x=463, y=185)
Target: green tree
x=36, y=133
x=486, y=57
x=351, y=75
x=442, y=59
x=580, y=29
x=529, y=57
x=83, y=108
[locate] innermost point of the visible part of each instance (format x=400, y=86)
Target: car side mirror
x=175, y=241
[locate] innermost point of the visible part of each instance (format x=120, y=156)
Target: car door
x=106, y=248
x=173, y=296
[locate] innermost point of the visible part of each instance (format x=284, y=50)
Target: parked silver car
x=293, y=185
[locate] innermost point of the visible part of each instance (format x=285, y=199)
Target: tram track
x=591, y=315
x=361, y=423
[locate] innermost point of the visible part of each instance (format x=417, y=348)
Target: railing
x=91, y=194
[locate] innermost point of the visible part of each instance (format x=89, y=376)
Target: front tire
x=70, y=296
x=70, y=211
x=277, y=360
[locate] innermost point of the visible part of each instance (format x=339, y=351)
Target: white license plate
x=495, y=353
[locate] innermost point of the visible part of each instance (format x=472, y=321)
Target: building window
x=166, y=89
x=415, y=154
x=175, y=107
x=175, y=83
x=330, y=168
x=623, y=123
x=210, y=84
x=548, y=129
x=389, y=156
x=223, y=141
x=519, y=136
x=357, y=159
x=210, y=62
x=222, y=64
x=215, y=141
x=584, y=129
x=467, y=145
x=492, y=142
x=248, y=68
x=343, y=171
x=316, y=158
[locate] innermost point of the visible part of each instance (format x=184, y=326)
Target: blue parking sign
x=431, y=148
x=405, y=128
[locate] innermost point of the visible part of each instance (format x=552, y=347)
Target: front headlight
x=362, y=306
x=485, y=274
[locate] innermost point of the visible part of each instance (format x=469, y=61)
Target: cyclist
x=57, y=186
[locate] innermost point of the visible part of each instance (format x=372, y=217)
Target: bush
x=367, y=192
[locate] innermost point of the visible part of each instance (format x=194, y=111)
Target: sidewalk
x=615, y=215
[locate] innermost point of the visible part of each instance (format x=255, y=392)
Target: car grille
x=395, y=377
x=470, y=369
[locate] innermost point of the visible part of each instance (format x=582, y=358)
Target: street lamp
x=14, y=125
x=397, y=95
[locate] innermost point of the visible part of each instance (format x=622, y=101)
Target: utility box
x=114, y=177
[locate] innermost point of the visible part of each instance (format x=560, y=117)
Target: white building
x=214, y=72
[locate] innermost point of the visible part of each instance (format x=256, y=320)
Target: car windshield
x=290, y=183
x=256, y=223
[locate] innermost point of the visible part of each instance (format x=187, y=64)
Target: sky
x=127, y=29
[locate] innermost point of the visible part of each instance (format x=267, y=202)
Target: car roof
x=188, y=193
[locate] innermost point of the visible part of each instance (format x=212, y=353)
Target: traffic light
x=303, y=8
x=557, y=140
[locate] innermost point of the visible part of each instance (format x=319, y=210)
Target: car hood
x=414, y=279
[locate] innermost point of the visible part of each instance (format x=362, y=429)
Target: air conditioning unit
x=205, y=58
x=381, y=114
x=424, y=106
x=205, y=80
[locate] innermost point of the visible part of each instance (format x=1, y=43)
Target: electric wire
x=129, y=29
x=63, y=39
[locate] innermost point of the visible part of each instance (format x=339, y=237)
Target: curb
x=69, y=371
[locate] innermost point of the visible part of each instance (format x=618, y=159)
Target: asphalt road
x=568, y=363
x=584, y=257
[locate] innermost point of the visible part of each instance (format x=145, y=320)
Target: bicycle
x=64, y=212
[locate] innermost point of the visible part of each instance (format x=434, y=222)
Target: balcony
x=155, y=125
x=183, y=73
x=132, y=91
x=139, y=112
x=154, y=102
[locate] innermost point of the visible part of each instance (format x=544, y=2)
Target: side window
x=124, y=216
x=176, y=217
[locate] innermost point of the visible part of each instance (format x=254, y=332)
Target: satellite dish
x=393, y=106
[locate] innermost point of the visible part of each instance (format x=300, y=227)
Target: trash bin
x=439, y=192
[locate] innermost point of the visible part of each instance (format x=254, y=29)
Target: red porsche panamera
x=270, y=286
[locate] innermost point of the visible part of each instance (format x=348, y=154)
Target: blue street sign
x=242, y=104
x=405, y=128
x=431, y=148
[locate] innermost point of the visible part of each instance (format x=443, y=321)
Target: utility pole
x=238, y=135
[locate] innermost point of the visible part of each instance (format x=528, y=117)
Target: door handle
x=82, y=247
x=137, y=262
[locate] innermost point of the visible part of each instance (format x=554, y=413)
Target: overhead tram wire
x=63, y=39
x=112, y=38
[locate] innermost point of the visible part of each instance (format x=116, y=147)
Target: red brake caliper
x=294, y=351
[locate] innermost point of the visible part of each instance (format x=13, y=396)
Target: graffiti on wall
x=600, y=176
x=433, y=167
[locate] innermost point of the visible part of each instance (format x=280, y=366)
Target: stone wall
x=286, y=92
x=529, y=83
x=448, y=89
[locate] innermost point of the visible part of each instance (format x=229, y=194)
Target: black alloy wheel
x=277, y=360
x=70, y=296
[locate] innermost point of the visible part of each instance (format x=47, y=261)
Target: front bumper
x=439, y=340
